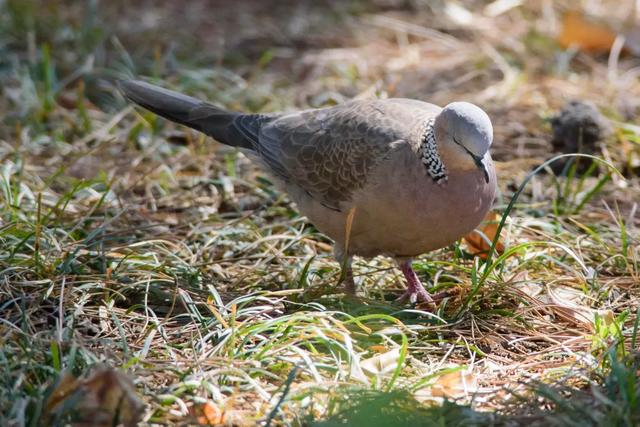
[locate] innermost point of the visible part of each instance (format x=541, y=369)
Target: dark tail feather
x=199, y=115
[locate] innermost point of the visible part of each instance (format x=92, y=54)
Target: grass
x=131, y=243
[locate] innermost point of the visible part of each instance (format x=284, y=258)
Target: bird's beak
x=476, y=159
x=480, y=165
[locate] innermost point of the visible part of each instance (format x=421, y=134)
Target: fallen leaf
x=378, y=348
x=451, y=385
x=521, y=282
x=106, y=397
x=215, y=414
x=585, y=34
x=65, y=386
x=383, y=363
x=210, y=414
x=455, y=385
x=479, y=240
x=566, y=303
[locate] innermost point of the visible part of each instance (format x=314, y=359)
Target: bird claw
x=414, y=297
x=415, y=293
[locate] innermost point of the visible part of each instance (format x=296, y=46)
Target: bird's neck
x=429, y=154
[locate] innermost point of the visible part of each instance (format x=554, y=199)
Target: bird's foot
x=420, y=296
x=415, y=293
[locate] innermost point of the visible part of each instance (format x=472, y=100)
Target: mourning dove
x=394, y=177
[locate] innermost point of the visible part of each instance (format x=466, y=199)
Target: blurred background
x=521, y=61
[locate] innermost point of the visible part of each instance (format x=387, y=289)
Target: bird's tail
x=236, y=129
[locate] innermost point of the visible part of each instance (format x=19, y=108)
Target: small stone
x=577, y=129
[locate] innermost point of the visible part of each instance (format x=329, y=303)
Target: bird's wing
x=329, y=153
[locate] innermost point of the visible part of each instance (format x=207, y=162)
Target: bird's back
x=329, y=153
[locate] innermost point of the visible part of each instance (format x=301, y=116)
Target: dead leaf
x=521, y=282
x=455, y=385
x=106, y=397
x=223, y=413
x=567, y=304
x=587, y=35
x=383, y=363
x=210, y=414
x=479, y=240
x=378, y=348
x=66, y=385
x=451, y=385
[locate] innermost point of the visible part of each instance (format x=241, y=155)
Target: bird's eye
x=459, y=143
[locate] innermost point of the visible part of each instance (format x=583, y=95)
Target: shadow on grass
x=610, y=399
x=394, y=409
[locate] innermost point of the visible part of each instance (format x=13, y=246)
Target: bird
x=395, y=177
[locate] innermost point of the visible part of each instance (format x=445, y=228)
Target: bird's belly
x=406, y=220
x=408, y=214
x=395, y=234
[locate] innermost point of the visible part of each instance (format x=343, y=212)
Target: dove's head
x=464, y=134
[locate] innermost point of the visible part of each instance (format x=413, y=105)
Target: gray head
x=464, y=130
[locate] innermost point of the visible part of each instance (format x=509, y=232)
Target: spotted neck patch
x=429, y=154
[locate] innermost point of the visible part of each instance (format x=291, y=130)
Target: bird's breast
x=406, y=213
x=402, y=211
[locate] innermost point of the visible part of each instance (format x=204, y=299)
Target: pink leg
x=415, y=291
